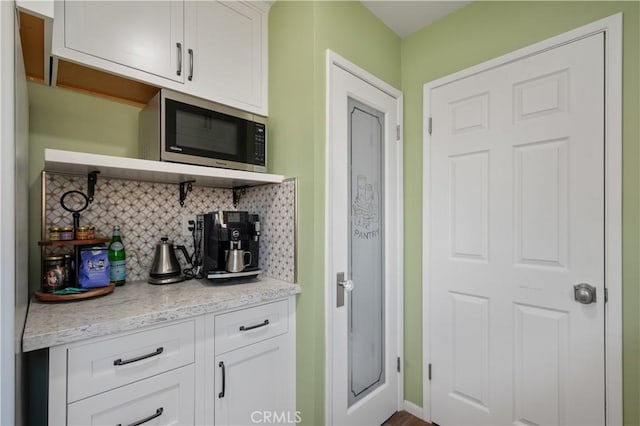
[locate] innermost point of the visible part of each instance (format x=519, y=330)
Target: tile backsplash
x=147, y=211
x=276, y=205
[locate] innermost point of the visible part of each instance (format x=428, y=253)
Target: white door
x=364, y=250
x=516, y=221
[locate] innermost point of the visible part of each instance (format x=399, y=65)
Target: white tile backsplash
x=147, y=211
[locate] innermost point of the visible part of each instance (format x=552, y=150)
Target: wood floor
x=402, y=418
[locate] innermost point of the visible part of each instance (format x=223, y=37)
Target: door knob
x=347, y=284
x=584, y=293
x=341, y=286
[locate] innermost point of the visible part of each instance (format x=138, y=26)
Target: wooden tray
x=97, y=240
x=50, y=297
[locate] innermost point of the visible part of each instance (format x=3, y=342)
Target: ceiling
x=406, y=17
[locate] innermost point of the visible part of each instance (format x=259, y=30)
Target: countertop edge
x=34, y=341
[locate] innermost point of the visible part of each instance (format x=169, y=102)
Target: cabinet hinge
x=398, y=132
x=398, y=365
x=606, y=295
x=430, y=125
x=429, y=372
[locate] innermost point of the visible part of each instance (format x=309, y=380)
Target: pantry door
x=364, y=228
x=516, y=242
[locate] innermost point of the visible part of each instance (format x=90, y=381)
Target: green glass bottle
x=117, y=258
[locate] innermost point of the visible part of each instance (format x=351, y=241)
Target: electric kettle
x=165, y=268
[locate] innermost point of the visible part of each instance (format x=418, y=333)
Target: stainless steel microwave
x=184, y=129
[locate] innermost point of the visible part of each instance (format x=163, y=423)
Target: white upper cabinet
x=147, y=36
x=228, y=44
x=211, y=49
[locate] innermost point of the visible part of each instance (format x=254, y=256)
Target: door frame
x=9, y=336
x=335, y=60
x=612, y=27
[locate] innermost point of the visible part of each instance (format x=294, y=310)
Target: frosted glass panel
x=366, y=242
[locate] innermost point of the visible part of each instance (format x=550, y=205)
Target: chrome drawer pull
x=146, y=419
x=221, y=365
x=251, y=327
x=179, y=70
x=190, y=51
x=119, y=361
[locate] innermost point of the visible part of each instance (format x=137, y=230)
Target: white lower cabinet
x=165, y=399
x=232, y=368
x=251, y=358
x=253, y=384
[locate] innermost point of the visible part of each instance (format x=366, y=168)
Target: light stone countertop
x=139, y=304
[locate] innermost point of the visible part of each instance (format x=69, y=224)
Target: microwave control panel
x=259, y=144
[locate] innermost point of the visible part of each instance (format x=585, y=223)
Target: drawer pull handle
x=190, y=51
x=221, y=365
x=179, y=70
x=158, y=413
x=251, y=327
x=119, y=361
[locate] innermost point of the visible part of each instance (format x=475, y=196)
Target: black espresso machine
x=223, y=231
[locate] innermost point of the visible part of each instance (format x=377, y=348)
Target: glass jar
x=53, y=273
x=54, y=233
x=66, y=233
x=69, y=269
x=92, y=232
x=82, y=233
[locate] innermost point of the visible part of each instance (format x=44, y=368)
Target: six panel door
x=516, y=220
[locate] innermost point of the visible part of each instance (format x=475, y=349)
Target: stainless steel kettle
x=165, y=268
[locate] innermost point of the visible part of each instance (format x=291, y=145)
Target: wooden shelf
x=151, y=171
x=98, y=240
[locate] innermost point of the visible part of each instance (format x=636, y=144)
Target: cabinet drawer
x=244, y=327
x=107, y=364
x=166, y=399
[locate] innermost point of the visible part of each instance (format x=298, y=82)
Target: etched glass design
x=366, y=131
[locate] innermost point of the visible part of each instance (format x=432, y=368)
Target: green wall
x=476, y=33
x=299, y=34
x=63, y=119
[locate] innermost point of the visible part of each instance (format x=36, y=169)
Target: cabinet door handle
x=179, y=46
x=221, y=365
x=158, y=413
x=190, y=64
x=251, y=327
x=119, y=361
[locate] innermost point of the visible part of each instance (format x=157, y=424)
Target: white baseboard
x=414, y=409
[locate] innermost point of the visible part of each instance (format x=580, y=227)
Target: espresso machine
x=229, y=246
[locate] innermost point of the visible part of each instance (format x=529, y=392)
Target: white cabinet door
x=165, y=399
x=226, y=56
x=253, y=384
x=145, y=35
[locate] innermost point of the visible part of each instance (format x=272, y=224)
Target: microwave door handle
x=190, y=64
x=179, y=70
